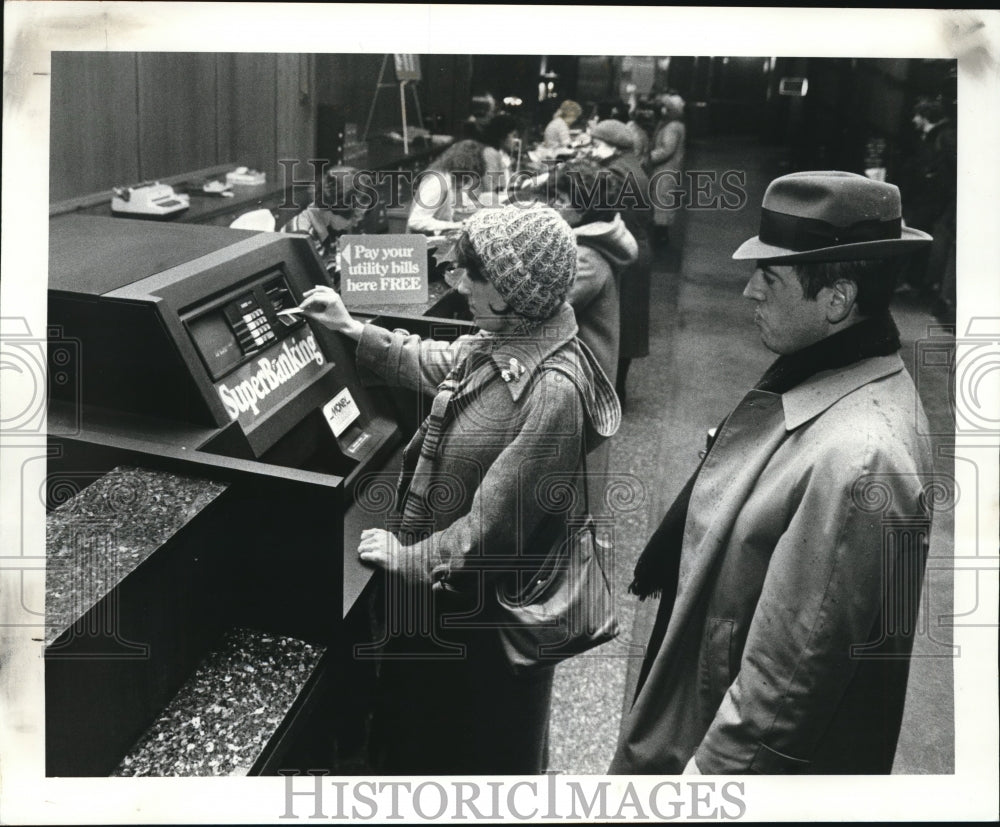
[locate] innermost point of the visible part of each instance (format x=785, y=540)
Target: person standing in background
x=614, y=150
x=641, y=124
x=502, y=138
x=482, y=108
x=666, y=163
x=604, y=248
x=931, y=187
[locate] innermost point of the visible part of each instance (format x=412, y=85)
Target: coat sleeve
x=822, y=595
x=496, y=173
x=557, y=133
x=522, y=486
x=667, y=141
x=592, y=272
x=404, y=360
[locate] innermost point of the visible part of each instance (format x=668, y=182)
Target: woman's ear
x=843, y=295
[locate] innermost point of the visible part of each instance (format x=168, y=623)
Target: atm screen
x=217, y=344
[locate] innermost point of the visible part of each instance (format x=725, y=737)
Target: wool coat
x=787, y=649
x=666, y=159
x=494, y=500
x=635, y=280
x=603, y=250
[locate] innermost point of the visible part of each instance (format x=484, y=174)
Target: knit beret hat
x=613, y=132
x=528, y=254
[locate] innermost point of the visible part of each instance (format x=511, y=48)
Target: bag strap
x=560, y=367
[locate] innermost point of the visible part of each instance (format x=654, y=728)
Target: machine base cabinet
x=203, y=592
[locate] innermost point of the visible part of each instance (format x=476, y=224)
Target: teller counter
x=211, y=467
x=283, y=198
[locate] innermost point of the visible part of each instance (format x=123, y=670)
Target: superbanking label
x=259, y=386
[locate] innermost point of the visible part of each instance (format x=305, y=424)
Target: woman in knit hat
x=478, y=484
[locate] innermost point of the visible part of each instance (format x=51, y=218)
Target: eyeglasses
x=453, y=274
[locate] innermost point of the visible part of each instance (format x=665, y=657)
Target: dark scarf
x=657, y=568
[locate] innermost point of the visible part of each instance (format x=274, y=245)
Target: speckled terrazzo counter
x=222, y=718
x=100, y=535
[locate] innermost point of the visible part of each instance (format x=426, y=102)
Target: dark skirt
x=449, y=704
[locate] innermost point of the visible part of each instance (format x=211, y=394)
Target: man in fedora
x=789, y=567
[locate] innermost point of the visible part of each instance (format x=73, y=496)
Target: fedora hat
x=830, y=216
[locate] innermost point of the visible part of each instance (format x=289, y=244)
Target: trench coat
x=787, y=650
x=494, y=489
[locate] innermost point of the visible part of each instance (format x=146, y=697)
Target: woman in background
x=604, y=248
x=330, y=215
x=614, y=150
x=666, y=160
x=556, y=133
x=448, y=188
x=502, y=137
x=641, y=124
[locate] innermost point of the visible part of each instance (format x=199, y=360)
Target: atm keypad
x=249, y=322
x=253, y=330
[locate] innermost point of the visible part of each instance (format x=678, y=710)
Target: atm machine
x=241, y=456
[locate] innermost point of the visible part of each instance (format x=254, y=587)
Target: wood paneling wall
x=295, y=133
x=94, y=125
x=178, y=118
x=118, y=118
x=245, y=81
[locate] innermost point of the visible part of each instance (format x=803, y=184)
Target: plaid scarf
x=417, y=517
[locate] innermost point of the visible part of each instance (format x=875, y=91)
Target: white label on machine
x=341, y=411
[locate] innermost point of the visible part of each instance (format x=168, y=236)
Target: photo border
x=34, y=29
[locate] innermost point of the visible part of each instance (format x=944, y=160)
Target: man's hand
x=383, y=550
x=324, y=305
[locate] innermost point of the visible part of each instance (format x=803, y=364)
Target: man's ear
x=843, y=295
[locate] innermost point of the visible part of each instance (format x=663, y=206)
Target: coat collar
x=517, y=358
x=816, y=394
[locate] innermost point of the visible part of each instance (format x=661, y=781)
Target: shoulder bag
x=567, y=606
